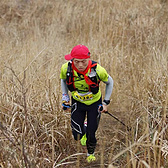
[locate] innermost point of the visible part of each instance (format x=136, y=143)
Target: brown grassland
x=127, y=37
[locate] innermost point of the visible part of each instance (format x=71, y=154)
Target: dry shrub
x=128, y=38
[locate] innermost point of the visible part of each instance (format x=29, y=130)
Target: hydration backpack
x=92, y=79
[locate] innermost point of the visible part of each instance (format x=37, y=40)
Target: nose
x=80, y=64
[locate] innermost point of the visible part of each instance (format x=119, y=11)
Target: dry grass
x=128, y=38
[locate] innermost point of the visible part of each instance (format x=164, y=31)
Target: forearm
x=109, y=88
x=65, y=96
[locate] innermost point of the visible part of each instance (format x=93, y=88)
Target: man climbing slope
x=81, y=76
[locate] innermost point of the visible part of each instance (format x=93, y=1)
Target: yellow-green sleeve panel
x=102, y=73
x=64, y=71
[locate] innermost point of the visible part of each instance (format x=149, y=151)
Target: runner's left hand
x=104, y=108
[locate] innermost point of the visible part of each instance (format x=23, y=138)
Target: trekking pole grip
x=65, y=106
x=101, y=108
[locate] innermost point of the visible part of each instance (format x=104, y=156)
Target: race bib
x=83, y=97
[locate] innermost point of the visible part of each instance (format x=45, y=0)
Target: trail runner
x=82, y=76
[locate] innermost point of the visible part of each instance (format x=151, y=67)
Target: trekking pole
x=101, y=108
x=128, y=128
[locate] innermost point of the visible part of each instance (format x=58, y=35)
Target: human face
x=81, y=64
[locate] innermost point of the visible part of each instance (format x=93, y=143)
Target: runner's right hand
x=65, y=105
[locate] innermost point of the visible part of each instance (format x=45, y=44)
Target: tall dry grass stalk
x=128, y=38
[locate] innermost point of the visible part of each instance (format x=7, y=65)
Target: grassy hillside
x=129, y=38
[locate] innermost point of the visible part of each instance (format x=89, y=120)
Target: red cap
x=79, y=52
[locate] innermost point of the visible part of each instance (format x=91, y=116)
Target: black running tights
x=79, y=111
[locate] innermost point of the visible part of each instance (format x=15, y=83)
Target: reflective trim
x=75, y=126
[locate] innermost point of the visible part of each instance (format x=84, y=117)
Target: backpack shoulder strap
x=94, y=65
x=69, y=79
x=69, y=68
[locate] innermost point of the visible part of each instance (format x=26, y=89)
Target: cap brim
x=68, y=57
